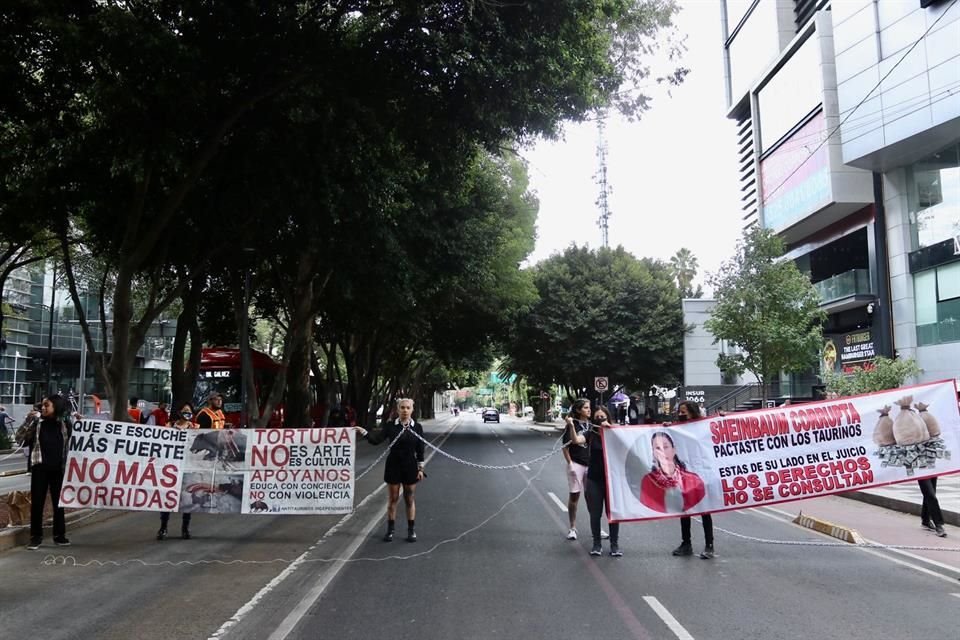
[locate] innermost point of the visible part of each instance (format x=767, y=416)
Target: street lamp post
x=53, y=301
x=249, y=254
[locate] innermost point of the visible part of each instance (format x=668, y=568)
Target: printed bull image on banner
x=118, y=465
x=781, y=454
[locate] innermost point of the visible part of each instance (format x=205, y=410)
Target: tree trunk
x=184, y=367
x=300, y=339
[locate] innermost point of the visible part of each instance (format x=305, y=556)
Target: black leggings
x=46, y=479
x=596, y=494
x=931, y=506
x=707, y=529
x=165, y=518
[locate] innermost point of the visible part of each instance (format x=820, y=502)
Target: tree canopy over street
x=362, y=153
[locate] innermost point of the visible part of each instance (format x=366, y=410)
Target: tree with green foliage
x=599, y=313
x=884, y=373
x=122, y=122
x=767, y=308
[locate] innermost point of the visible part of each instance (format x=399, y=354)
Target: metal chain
x=12, y=453
x=495, y=467
x=381, y=456
x=815, y=543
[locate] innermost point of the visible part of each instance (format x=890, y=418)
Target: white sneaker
x=604, y=535
x=572, y=534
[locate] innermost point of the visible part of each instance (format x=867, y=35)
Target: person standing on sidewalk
x=404, y=464
x=183, y=419
x=577, y=458
x=930, y=515
x=691, y=411
x=46, y=435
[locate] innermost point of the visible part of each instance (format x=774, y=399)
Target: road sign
x=601, y=384
x=544, y=395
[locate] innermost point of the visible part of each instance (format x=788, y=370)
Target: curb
x=12, y=537
x=896, y=504
x=7, y=474
x=828, y=528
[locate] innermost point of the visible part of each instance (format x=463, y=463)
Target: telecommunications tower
x=603, y=200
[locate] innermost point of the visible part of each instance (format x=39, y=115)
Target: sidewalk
x=906, y=497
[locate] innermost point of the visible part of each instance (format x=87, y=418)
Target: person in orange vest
x=211, y=416
x=134, y=411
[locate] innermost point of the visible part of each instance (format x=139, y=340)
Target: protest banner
x=781, y=454
x=118, y=465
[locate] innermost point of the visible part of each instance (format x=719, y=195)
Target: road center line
x=667, y=617
x=560, y=504
x=509, y=449
x=956, y=595
x=525, y=467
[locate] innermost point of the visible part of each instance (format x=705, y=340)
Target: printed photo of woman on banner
x=659, y=472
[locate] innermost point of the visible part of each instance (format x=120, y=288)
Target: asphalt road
x=491, y=562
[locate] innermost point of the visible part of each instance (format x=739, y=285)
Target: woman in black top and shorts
x=404, y=464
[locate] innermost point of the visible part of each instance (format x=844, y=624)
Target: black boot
x=685, y=549
x=411, y=533
x=162, y=533
x=388, y=537
x=185, y=533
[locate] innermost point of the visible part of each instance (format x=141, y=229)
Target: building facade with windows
x=38, y=349
x=849, y=120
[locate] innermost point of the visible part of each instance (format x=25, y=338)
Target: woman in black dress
x=404, y=464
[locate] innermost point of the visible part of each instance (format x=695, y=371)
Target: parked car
x=491, y=415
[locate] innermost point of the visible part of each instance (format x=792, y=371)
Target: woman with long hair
x=577, y=458
x=596, y=487
x=46, y=436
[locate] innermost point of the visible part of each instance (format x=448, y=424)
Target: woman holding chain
x=404, y=466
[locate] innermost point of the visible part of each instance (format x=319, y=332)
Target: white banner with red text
x=781, y=454
x=119, y=465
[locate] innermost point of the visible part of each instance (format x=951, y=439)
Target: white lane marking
x=270, y=586
x=242, y=612
x=667, y=617
x=956, y=595
x=560, y=504
x=934, y=574
x=875, y=552
x=509, y=449
x=502, y=442
x=525, y=467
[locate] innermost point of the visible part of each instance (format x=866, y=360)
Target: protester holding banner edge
x=404, y=465
x=46, y=436
x=596, y=484
x=691, y=411
x=183, y=419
